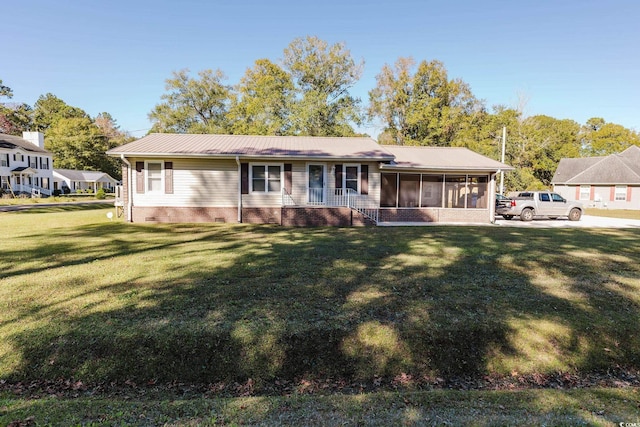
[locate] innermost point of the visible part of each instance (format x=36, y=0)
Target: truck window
x=544, y=197
x=557, y=198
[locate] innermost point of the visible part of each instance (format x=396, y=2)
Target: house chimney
x=36, y=138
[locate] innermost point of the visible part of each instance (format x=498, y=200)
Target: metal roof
x=208, y=145
x=441, y=159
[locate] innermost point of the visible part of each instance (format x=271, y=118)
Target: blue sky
x=569, y=59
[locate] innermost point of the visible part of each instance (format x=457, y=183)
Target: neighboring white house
x=76, y=180
x=25, y=166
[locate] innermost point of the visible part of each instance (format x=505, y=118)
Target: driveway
x=586, y=221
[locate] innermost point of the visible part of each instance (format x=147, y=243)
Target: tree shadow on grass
x=272, y=303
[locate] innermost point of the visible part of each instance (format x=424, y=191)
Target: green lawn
x=614, y=213
x=371, y=317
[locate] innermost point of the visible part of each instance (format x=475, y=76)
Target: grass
x=98, y=301
x=614, y=213
x=10, y=201
x=595, y=407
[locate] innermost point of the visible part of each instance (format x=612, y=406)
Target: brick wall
x=174, y=214
x=433, y=215
x=318, y=216
x=261, y=215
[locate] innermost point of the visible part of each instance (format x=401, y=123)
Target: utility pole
x=504, y=142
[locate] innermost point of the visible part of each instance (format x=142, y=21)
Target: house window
x=621, y=193
x=18, y=157
x=45, y=183
x=33, y=162
x=154, y=177
x=4, y=182
x=266, y=178
x=350, y=177
x=4, y=160
x=585, y=192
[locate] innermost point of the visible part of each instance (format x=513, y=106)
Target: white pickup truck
x=529, y=204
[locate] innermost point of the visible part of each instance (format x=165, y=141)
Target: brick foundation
x=175, y=214
x=321, y=216
x=296, y=216
x=433, y=215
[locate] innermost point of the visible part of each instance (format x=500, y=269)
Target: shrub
x=100, y=194
x=56, y=193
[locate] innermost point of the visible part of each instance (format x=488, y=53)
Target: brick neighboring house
x=301, y=181
x=25, y=166
x=611, y=181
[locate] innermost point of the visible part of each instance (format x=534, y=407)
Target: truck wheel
x=575, y=214
x=507, y=217
x=526, y=215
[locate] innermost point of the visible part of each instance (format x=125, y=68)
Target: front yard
x=92, y=310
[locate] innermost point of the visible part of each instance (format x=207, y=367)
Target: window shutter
x=288, y=177
x=628, y=193
x=8, y=162
x=612, y=193
x=577, y=192
x=244, y=178
x=28, y=161
x=338, y=176
x=139, y=177
x=592, y=194
x=364, y=179
x=168, y=177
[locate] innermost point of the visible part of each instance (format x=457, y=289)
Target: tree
x=323, y=75
x=425, y=108
x=77, y=143
x=193, y=105
x=599, y=138
x=262, y=105
x=5, y=91
x=390, y=100
x=15, y=118
x=48, y=109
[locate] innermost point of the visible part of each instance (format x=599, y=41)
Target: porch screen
x=432, y=191
x=455, y=191
x=409, y=196
x=478, y=192
x=388, y=190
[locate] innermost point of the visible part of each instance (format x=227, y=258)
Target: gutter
x=239, y=190
x=130, y=194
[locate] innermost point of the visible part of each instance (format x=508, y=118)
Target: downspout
x=239, y=189
x=492, y=197
x=130, y=193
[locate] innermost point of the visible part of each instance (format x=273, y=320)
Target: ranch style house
x=302, y=181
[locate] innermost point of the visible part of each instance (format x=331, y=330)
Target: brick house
x=302, y=181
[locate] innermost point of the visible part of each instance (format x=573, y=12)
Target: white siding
x=196, y=183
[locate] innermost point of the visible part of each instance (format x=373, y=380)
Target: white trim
x=344, y=175
x=622, y=193
x=587, y=187
x=266, y=177
x=147, y=187
x=325, y=178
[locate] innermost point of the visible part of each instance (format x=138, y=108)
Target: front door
x=316, y=191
